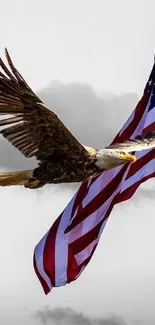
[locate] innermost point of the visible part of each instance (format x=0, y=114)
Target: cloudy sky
x=89, y=60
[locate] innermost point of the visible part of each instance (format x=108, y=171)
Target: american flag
x=66, y=249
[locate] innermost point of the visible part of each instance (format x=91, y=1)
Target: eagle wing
x=138, y=144
x=32, y=128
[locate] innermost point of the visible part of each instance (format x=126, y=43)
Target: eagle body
x=76, y=169
x=65, y=171
x=37, y=132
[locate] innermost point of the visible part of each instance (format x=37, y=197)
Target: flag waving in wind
x=66, y=249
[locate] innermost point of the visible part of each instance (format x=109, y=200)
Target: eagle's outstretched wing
x=138, y=144
x=32, y=128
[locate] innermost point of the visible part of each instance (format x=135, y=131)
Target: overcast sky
x=109, y=44
x=89, y=60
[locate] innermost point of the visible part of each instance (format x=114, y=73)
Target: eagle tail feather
x=15, y=178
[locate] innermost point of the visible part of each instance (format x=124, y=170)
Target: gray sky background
x=89, y=60
x=109, y=44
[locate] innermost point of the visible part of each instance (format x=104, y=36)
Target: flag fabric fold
x=66, y=249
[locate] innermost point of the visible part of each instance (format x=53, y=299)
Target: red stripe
x=99, y=199
x=93, y=179
x=49, y=252
x=150, y=127
x=82, y=192
x=87, y=260
x=139, y=111
x=42, y=281
x=85, y=240
x=72, y=267
x=128, y=193
x=82, y=242
x=140, y=163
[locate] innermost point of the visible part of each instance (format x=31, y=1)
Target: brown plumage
x=38, y=132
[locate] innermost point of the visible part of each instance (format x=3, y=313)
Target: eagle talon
x=33, y=184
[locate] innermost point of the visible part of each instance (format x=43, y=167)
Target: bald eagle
x=38, y=132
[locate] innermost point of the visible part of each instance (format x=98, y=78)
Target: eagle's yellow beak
x=128, y=157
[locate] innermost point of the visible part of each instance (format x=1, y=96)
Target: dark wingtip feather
x=6, y=51
x=8, y=57
x=148, y=135
x=138, y=137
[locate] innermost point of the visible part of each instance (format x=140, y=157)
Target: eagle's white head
x=107, y=159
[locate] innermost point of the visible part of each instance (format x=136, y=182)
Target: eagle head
x=107, y=159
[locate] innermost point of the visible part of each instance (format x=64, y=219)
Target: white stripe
x=39, y=253
x=141, y=123
x=61, y=246
x=130, y=119
x=101, y=182
x=90, y=222
x=150, y=118
x=146, y=170
x=88, y=182
x=85, y=253
x=142, y=153
x=93, y=219
x=82, y=268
